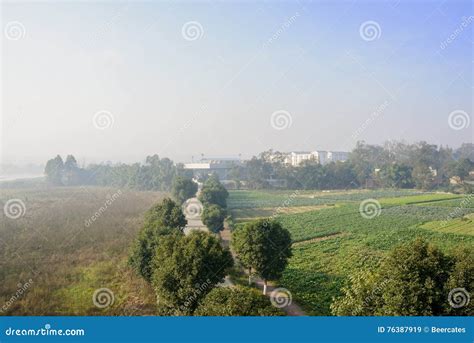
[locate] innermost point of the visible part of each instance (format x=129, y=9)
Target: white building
x=295, y=158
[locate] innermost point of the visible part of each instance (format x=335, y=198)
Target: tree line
x=392, y=165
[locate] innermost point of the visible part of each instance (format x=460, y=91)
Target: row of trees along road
x=184, y=270
x=214, y=196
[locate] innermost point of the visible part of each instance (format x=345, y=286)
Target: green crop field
x=320, y=267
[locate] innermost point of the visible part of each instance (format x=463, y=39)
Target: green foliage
x=183, y=189
x=461, y=277
x=213, y=192
x=264, y=246
x=54, y=171
x=186, y=268
x=412, y=281
x=160, y=220
x=165, y=214
x=213, y=217
x=236, y=301
x=396, y=176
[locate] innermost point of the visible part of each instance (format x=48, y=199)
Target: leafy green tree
x=71, y=172
x=213, y=217
x=165, y=214
x=460, y=168
x=144, y=249
x=186, y=268
x=410, y=282
x=54, y=171
x=396, y=176
x=236, y=301
x=183, y=189
x=263, y=246
x=462, y=279
x=466, y=150
x=213, y=192
x=162, y=219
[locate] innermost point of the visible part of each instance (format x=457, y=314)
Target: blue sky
x=177, y=97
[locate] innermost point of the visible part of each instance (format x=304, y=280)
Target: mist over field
x=292, y=158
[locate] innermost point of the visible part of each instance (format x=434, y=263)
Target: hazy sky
x=185, y=78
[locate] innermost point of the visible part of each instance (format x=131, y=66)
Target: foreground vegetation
x=69, y=252
x=336, y=241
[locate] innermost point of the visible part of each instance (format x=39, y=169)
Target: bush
x=236, y=301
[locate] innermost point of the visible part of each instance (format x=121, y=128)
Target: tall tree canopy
x=186, y=268
x=415, y=280
x=213, y=192
x=160, y=220
x=183, y=189
x=263, y=246
x=213, y=217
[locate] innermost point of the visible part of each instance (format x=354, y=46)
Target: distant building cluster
x=222, y=166
x=295, y=158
